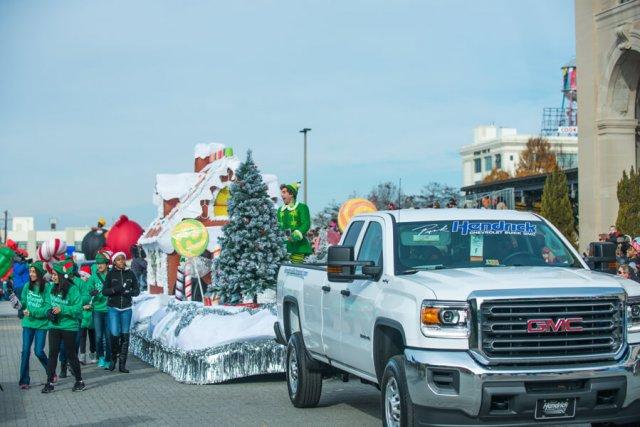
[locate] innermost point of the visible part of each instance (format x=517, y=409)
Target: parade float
x=202, y=196
x=193, y=342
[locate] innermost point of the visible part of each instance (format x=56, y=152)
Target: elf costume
x=35, y=325
x=295, y=220
x=95, y=286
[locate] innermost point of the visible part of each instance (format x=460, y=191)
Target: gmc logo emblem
x=541, y=326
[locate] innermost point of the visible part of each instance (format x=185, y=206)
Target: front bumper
x=451, y=388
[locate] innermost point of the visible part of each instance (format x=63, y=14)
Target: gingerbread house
x=201, y=195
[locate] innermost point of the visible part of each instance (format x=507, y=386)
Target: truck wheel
x=305, y=386
x=397, y=408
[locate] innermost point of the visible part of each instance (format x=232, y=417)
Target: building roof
x=531, y=181
x=192, y=189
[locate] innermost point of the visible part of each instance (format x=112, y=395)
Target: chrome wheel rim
x=293, y=372
x=392, y=403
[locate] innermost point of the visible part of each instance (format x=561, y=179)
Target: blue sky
x=98, y=97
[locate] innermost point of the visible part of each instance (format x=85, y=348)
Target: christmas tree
x=556, y=205
x=252, y=243
x=628, y=221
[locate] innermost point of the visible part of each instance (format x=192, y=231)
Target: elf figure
x=295, y=220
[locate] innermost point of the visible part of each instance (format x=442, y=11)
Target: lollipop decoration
x=189, y=238
x=351, y=208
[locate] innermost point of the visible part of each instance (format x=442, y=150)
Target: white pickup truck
x=464, y=317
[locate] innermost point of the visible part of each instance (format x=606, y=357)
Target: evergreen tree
x=556, y=205
x=628, y=221
x=252, y=243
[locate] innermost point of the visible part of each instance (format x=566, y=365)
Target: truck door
x=358, y=304
x=331, y=300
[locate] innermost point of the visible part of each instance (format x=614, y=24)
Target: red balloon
x=123, y=234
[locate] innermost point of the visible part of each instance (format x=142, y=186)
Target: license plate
x=556, y=408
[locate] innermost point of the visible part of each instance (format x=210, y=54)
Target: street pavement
x=149, y=397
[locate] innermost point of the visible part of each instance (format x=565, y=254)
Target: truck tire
x=304, y=385
x=397, y=408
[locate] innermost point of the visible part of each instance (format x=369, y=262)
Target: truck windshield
x=466, y=243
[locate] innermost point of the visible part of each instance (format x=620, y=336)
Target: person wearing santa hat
x=100, y=322
x=120, y=287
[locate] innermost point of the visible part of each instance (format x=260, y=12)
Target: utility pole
x=304, y=179
x=6, y=220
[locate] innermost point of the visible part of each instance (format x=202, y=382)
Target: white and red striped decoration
x=179, y=290
x=52, y=250
x=187, y=281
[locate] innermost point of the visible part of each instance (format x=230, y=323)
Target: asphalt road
x=148, y=397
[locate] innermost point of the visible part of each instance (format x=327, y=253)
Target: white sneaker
x=92, y=358
x=83, y=358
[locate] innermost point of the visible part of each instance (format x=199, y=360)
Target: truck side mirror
x=372, y=271
x=341, y=266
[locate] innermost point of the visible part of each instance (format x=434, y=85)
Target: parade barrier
x=205, y=345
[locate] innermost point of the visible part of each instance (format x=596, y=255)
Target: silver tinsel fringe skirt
x=257, y=356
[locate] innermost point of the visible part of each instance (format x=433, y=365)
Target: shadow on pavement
x=129, y=421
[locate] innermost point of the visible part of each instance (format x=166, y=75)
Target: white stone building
x=23, y=232
x=500, y=148
x=608, y=57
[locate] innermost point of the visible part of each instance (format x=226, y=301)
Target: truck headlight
x=633, y=314
x=445, y=319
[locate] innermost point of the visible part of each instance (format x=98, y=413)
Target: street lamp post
x=304, y=179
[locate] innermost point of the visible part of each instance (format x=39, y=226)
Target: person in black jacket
x=120, y=286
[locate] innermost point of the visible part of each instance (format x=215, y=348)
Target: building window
x=488, y=163
x=511, y=158
x=498, y=161
x=477, y=165
x=567, y=160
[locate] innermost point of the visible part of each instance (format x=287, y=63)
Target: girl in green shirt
x=34, y=321
x=64, y=310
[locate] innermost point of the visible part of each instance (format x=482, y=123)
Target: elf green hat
x=101, y=258
x=64, y=268
x=293, y=188
x=39, y=267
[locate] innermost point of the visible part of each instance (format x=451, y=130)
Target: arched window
x=220, y=203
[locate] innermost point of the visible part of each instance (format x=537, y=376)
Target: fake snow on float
x=205, y=345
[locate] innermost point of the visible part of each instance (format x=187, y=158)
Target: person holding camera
x=64, y=311
x=34, y=321
x=120, y=287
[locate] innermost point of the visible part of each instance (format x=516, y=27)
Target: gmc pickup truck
x=464, y=317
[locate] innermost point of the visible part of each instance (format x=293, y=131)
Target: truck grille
x=504, y=335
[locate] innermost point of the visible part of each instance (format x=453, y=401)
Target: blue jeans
x=119, y=321
x=28, y=336
x=101, y=325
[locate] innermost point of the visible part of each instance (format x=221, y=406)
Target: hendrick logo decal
x=495, y=227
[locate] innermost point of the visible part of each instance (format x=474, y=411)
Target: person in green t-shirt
x=294, y=219
x=86, y=325
x=63, y=302
x=34, y=321
x=95, y=284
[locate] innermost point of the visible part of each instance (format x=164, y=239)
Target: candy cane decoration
x=180, y=283
x=187, y=281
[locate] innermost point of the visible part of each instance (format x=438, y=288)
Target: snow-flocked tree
x=253, y=246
